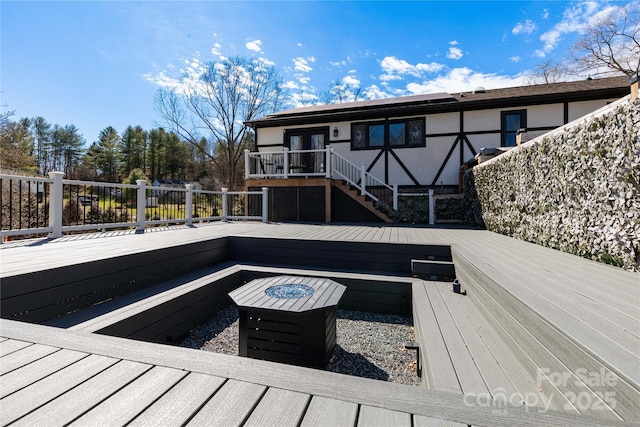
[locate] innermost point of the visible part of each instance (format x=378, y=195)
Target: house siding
x=452, y=137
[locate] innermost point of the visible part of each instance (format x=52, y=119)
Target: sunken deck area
x=85, y=326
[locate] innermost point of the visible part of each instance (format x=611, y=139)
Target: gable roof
x=584, y=90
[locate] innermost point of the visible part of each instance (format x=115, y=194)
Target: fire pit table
x=288, y=319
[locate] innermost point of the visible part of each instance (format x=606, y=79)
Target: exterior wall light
x=335, y=132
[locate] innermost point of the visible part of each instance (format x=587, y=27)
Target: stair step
x=433, y=270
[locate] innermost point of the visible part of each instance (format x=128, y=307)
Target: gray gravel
x=369, y=345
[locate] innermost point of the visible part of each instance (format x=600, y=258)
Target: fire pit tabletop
x=288, y=293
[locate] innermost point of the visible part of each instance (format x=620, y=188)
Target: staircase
x=365, y=201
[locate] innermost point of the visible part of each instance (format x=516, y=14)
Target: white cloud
x=301, y=64
x=463, y=79
x=545, y=14
x=395, y=68
x=299, y=44
x=453, y=42
x=300, y=99
x=454, y=53
x=351, y=81
x=290, y=85
x=216, y=50
x=574, y=20
x=267, y=61
x=515, y=59
x=254, y=46
x=374, y=92
x=526, y=27
x=389, y=77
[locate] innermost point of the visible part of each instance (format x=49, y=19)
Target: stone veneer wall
x=576, y=189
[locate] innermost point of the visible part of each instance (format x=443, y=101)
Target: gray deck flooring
x=53, y=377
x=89, y=379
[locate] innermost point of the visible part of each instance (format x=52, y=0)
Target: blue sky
x=96, y=64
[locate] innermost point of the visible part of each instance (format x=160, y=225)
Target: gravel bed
x=369, y=345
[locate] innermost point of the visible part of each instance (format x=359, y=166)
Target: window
x=396, y=134
x=511, y=122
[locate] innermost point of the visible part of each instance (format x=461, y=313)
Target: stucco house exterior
x=421, y=141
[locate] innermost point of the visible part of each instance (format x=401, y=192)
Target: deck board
x=24, y=356
x=39, y=393
x=371, y=416
x=10, y=346
x=323, y=411
x=128, y=402
x=421, y=421
x=573, y=293
x=180, y=403
x=32, y=372
x=491, y=373
x=231, y=405
x=74, y=403
x=279, y=408
x=466, y=369
x=438, y=372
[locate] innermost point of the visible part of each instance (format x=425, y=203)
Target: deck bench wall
x=541, y=345
x=39, y=296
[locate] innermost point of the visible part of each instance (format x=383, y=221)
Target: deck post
x=141, y=204
x=395, y=197
x=224, y=204
x=188, y=205
x=327, y=162
x=55, y=204
x=246, y=164
x=363, y=177
x=286, y=163
x=265, y=204
x=432, y=207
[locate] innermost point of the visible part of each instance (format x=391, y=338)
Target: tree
x=42, y=134
x=219, y=99
x=155, y=155
x=548, y=72
x=611, y=45
x=87, y=170
x=341, y=91
x=108, y=156
x=16, y=146
x=67, y=146
x=133, y=149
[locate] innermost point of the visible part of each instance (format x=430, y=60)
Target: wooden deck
x=572, y=308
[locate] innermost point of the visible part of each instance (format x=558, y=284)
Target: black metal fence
x=35, y=206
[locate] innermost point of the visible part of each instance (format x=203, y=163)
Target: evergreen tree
x=16, y=146
x=42, y=133
x=108, y=156
x=133, y=149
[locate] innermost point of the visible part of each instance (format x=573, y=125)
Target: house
x=419, y=142
x=167, y=184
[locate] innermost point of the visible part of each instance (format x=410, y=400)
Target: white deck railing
x=325, y=163
x=53, y=206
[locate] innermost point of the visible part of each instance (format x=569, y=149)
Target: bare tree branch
x=217, y=104
x=611, y=45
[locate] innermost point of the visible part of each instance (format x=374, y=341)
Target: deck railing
x=34, y=206
x=319, y=163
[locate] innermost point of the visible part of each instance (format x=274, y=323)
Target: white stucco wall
x=579, y=109
x=545, y=115
x=481, y=120
x=443, y=123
